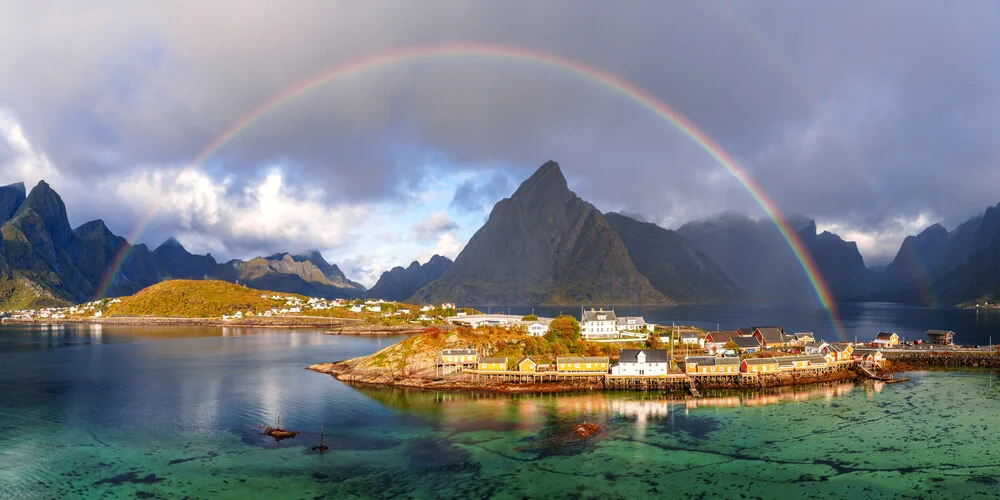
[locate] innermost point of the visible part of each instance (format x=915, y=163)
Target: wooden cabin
x=711, y=365
x=527, y=365
x=459, y=356
x=941, y=337
x=493, y=364
x=759, y=365
x=886, y=339
x=582, y=364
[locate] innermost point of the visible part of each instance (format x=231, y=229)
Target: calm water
x=168, y=413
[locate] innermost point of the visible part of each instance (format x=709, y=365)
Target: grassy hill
x=194, y=299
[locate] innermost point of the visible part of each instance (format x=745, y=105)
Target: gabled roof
x=721, y=337
x=591, y=315
x=458, y=352
x=771, y=335
x=526, y=358
x=493, y=360
x=582, y=359
x=804, y=335
x=885, y=335
x=785, y=361
x=652, y=355
x=701, y=360
x=760, y=361
x=865, y=352
x=689, y=335
x=726, y=361
x=639, y=320
x=747, y=342
x=940, y=332
x=815, y=359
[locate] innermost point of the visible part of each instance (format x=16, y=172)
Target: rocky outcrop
x=543, y=245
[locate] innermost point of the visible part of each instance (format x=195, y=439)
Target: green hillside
x=195, y=299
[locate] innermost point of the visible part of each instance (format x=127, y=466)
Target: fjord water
x=132, y=412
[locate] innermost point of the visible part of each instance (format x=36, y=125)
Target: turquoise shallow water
x=170, y=413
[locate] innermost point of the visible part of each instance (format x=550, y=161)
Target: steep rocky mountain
x=43, y=261
x=401, y=283
x=11, y=198
x=543, y=245
x=941, y=267
x=672, y=265
x=303, y=274
x=975, y=281
x=756, y=255
x=933, y=254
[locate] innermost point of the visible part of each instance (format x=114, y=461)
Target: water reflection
x=468, y=411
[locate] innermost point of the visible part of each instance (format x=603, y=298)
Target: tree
x=654, y=342
x=732, y=346
x=566, y=328
x=530, y=317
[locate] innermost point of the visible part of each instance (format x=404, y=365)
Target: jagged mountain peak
x=11, y=198
x=547, y=182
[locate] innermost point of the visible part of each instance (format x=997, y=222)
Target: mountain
x=401, y=283
x=759, y=259
x=303, y=274
x=43, y=261
x=939, y=266
x=672, y=265
x=543, y=245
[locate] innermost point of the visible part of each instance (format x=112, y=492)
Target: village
x=281, y=306
x=749, y=356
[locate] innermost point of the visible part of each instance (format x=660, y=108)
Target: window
x=577, y=365
x=588, y=365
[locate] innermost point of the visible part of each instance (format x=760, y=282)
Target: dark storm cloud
x=856, y=113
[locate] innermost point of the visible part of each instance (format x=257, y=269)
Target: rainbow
x=600, y=77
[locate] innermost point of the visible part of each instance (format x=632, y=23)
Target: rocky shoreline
x=464, y=382
x=911, y=361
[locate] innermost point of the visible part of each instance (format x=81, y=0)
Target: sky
x=876, y=119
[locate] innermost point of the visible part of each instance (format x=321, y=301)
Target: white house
x=537, y=329
x=447, y=305
x=426, y=308
x=641, y=362
x=692, y=339
x=633, y=324
x=599, y=324
x=355, y=309
x=461, y=314
x=375, y=308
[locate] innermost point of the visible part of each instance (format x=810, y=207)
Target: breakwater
x=910, y=360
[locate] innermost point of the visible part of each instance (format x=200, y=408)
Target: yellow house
x=711, y=365
x=527, y=365
x=459, y=356
x=886, y=339
x=759, y=365
x=582, y=364
x=493, y=364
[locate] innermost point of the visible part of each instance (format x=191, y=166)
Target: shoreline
x=466, y=382
x=333, y=326
x=894, y=363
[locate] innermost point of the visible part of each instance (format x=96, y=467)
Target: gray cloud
x=855, y=113
x=474, y=197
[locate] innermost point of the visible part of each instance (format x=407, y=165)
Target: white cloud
x=447, y=245
x=265, y=212
x=879, y=246
x=434, y=225
x=25, y=163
